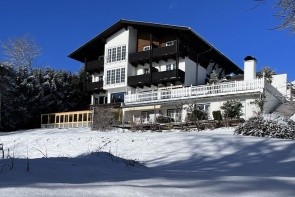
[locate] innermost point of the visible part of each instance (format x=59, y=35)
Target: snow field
x=208, y=163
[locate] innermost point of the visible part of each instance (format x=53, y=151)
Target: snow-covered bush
x=232, y=109
x=164, y=119
x=273, y=125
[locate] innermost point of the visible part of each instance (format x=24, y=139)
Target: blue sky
x=234, y=27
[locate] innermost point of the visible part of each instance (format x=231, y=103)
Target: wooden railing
x=171, y=94
x=95, y=66
x=74, y=119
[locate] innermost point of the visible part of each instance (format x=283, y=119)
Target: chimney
x=249, y=68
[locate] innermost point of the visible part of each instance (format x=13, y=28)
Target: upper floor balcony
x=95, y=66
x=94, y=86
x=155, y=78
x=202, y=91
x=157, y=54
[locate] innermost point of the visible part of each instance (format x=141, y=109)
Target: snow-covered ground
x=73, y=162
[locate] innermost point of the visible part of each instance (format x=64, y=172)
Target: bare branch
x=21, y=51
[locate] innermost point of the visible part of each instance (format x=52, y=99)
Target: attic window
x=146, y=48
x=170, y=43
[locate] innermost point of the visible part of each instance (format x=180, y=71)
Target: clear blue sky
x=232, y=26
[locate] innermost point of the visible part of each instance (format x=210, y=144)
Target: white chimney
x=249, y=68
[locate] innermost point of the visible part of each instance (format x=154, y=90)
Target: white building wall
x=190, y=72
x=132, y=48
x=118, y=39
x=271, y=102
x=202, y=75
x=249, y=109
x=280, y=83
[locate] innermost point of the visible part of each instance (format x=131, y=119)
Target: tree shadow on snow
x=240, y=167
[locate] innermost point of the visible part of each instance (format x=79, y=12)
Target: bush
x=164, y=119
x=198, y=115
x=262, y=127
x=232, y=109
x=217, y=115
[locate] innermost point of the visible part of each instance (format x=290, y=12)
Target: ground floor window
x=117, y=97
x=100, y=100
x=203, y=107
x=175, y=114
x=146, y=115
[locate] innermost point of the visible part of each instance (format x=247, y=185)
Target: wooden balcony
x=95, y=66
x=94, y=86
x=170, y=76
x=139, y=80
x=161, y=53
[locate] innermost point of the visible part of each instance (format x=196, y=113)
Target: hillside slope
x=80, y=162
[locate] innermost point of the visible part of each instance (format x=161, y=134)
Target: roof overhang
x=91, y=48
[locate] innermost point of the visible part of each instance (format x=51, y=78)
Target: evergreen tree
x=213, y=77
x=232, y=109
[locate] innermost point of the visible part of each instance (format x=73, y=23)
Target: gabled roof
x=97, y=43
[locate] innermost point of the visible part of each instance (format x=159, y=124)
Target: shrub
x=217, y=115
x=164, y=119
x=232, y=109
x=198, y=115
x=261, y=127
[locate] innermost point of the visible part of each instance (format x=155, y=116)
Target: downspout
x=177, y=56
x=198, y=55
x=151, y=54
x=84, y=78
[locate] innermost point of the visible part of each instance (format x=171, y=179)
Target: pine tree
x=213, y=77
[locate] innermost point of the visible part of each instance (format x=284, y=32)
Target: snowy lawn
x=75, y=162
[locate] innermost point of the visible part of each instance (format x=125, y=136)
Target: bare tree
x=285, y=12
x=21, y=51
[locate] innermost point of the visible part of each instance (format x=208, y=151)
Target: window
x=116, y=76
x=100, y=78
x=122, y=75
x=116, y=54
x=146, y=116
x=146, y=71
x=117, y=97
x=108, y=77
x=123, y=52
x=146, y=48
x=113, y=76
x=170, y=43
x=109, y=55
x=175, y=114
x=119, y=54
x=96, y=101
x=170, y=66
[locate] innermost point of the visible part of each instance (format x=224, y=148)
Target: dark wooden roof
x=96, y=45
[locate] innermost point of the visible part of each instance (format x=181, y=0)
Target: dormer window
x=170, y=66
x=170, y=43
x=146, y=48
x=146, y=71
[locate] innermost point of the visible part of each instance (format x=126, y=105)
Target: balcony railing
x=170, y=94
x=157, y=54
x=139, y=80
x=157, y=78
x=95, y=66
x=168, y=76
x=94, y=86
